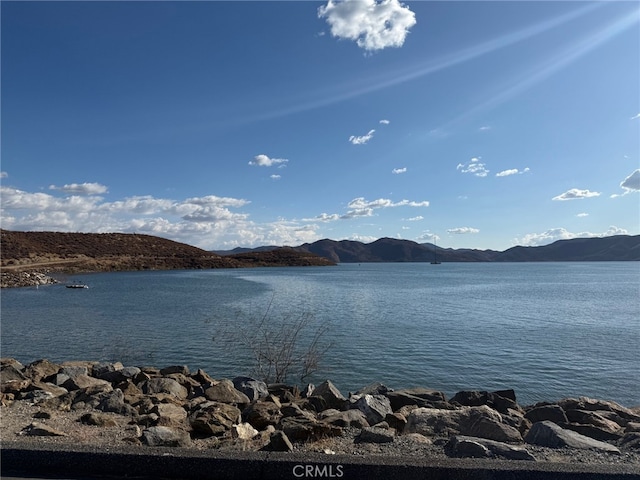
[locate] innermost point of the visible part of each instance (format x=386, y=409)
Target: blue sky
x=224, y=124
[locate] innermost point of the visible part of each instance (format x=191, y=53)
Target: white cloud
x=635, y=117
x=462, y=230
x=474, y=167
x=582, y=215
x=385, y=122
x=359, y=207
x=415, y=219
x=576, y=194
x=399, y=170
x=81, y=188
x=632, y=182
x=323, y=217
x=275, y=177
x=374, y=25
x=553, y=234
x=4, y=174
x=484, y=128
x=361, y=140
x=264, y=161
x=512, y=171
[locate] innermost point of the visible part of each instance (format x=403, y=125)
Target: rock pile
x=10, y=279
x=173, y=406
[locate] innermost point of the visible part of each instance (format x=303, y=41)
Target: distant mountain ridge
x=614, y=248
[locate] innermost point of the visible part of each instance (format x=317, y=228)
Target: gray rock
x=164, y=385
x=41, y=430
x=465, y=446
x=375, y=435
x=40, y=369
x=548, y=434
x=330, y=394
x=183, y=369
x=435, y=421
x=631, y=440
x=84, y=381
x=374, y=407
x=278, y=442
x=9, y=373
x=225, y=392
x=100, y=369
x=121, y=375
x=112, y=402
x=592, y=431
x=214, y=418
x=486, y=423
x=422, y=397
x=261, y=414
x=243, y=431
x=601, y=406
x=98, y=419
x=551, y=413
x=170, y=414
x=348, y=418
x=166, y=437
x=374, y=389
x=252, y=388
x=302, y=428
x=73, y=371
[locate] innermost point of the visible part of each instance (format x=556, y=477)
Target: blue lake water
x=548, y=330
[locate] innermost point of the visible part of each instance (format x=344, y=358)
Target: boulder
x=10, y=373
x=262, y=414
x=465, y=446
x=485, y=422
x=98, y=419
x=202, y=377
x=278, y=442
x=592, y=431
x=302, y=428
x=601, y=406
x=82, y=381
x=374, y=389
x=501, y=400
x=587, y=417
x=122, y=375
x=225, y=392
x=374, y=407
x=252, y=388
x=330, y=394
x=243, y=431
x=40, y=369
x=348, y=418
x=114, y=402
x=73, y=371
x=214, y=418
x=375, y=435
x=631, y=440
x=548, y=434
x=170, y=414
x=41, y=430
x=182, y=369
x=552, y=413
x=165, y=437
x=422, y=397
x=435, y=421
x=164, y=385
x=101, y=368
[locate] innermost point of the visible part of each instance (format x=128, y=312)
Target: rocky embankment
x=110, y=404
x=25, y=279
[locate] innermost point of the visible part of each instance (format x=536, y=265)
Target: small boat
x=77, y=285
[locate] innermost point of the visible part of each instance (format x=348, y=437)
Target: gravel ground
x=14, y=418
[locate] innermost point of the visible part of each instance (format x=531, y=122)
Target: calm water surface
x=548, y=330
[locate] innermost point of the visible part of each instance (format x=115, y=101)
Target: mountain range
x=614, y=248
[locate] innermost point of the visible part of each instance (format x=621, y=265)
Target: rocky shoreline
x=113, y=405
x=33, y=278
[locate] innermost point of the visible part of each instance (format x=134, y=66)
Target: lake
x=547, y=330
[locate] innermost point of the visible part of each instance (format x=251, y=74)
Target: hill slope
x=83, y=252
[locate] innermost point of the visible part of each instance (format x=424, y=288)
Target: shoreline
x=107, y=406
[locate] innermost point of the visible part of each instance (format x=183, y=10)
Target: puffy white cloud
x=512, y=171
x=575, y=194
x=462, y=230
x=361, y=140
x=323, y=217
x=399, y=170
x=385, y=122
x=473, y=167
x=265, y=161
x=632, y=182
x=81, y=188
x=417, y=218
x=373, y=24
x=275, y=177
x=553, y=234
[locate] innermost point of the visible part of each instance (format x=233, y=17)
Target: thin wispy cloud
x=385, y=122
x=363, y=139
x=575, y=194
x=81, y=188
x=462, y=230
x=398, y=171
x=415, y=219
x=373, y=25
x=265, y=161
x=275, y=177
x=473, y=167
x=582, y=215
x=512, y=171
x=635, y=117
